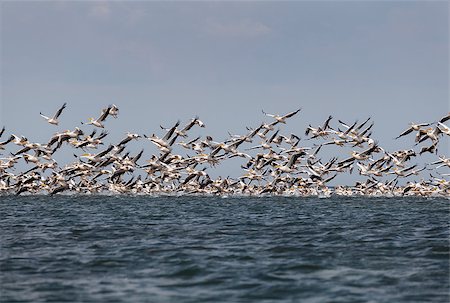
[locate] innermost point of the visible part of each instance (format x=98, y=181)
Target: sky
x=225, y=62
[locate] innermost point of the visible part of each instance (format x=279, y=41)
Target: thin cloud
x=242, y=28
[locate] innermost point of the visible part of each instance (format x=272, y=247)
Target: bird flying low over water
x=54, y=119
x=280, y=165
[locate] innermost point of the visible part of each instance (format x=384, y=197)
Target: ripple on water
x=192, y=249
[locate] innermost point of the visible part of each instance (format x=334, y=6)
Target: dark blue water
x=191, y=249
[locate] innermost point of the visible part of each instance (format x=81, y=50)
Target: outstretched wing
x=445, y=118
x=292, y=113
x=105, y=114
x=405, y=132
x=268, y=115
x=58, y=113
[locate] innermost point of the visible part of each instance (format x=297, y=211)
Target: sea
x=68, y=248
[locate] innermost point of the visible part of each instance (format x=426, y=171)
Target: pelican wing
x=327, y=122
x=171, y=131
x=45, y=117
x=104, y=114
x=308, y=130
x=344, y=124
x=329, y=179
x=345, y=161
x=349, y=128
x=362, y=124
x=408, y=168
x=294, y=158
x=268, y=115
x=365, y=131
x=102, y=135
x=189, y=125
x=405, y=132
x=137, y=157
x=445, y=118
x=193, y=140
x=292, y=113
x=58, y=113
x=273, y=137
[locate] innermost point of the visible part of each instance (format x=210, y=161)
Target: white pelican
x=442, y=161
x=99, y=120
x=282, y=119
x=128, y=138
x=114, y=111
x=413, y=126
x=430, y=149
x=54, y=119
x=364, y=155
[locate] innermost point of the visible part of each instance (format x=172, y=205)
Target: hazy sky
x=224, y=61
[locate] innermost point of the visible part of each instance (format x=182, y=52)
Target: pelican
x=20, y=140
x=428, y=149
x=413, y=126
x=366, y=170
x=54, y=119
x=194, y=121
x=429, y=133
x=282, y=119
x=401, y=172
x=114, y=111
x=321, y=131
x=442, y=162
x=128, y=138
x=99, y=120
x=336, y=142
x=364, y=155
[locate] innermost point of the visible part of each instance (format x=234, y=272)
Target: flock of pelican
x=279, y=165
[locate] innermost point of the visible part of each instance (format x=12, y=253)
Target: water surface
x=212, y=249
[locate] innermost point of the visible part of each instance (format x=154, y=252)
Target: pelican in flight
x=364, y=155
x=114, y=111
x=99, y=120
x=282, y=119
x=413, y=126
x=54, y=119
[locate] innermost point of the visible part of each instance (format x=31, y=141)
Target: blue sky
x=224, y=61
